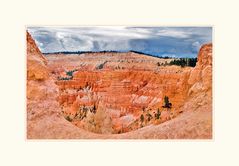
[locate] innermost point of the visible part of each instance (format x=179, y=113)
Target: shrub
x=149, y=116
x=167, y=104
x=94, y=109
x=65, y=78
x=70, y=73
x=157, y=115
x=68, y=118
x=143, y=109
x=142, y=118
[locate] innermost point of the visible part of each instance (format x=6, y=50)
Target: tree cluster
x=184, y=62
x=167, y=104
x=69, y=75
x=64, y=78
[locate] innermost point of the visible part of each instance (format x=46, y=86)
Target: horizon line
x=114, y=51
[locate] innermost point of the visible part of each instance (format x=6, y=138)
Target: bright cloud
x=173, y=33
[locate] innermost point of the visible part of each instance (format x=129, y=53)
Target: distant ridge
x=80, y=52
x=106, y=51
x=157, y=56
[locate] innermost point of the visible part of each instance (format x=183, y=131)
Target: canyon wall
x=44, y=119
x=200, y=82
x=125, y=92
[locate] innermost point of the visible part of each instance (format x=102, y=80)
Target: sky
x=158, y=41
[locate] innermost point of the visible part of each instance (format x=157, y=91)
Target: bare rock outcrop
x=43, y=111
x=200, y=81
x=201, y=76
x=36, y=63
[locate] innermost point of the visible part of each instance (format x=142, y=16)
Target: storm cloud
x=161, y=41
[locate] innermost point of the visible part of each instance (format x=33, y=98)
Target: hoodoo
x=117, y=95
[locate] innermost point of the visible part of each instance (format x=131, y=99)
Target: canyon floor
x=110, y=95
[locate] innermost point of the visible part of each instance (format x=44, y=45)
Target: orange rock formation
x=124, y=86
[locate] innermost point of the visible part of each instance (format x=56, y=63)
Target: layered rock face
x=202, y=73
x=44, y=119
x=122, y=94
x=126, y=85
x=200, y=81
x=111, y=91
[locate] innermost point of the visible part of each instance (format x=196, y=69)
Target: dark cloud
x=175, y=41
